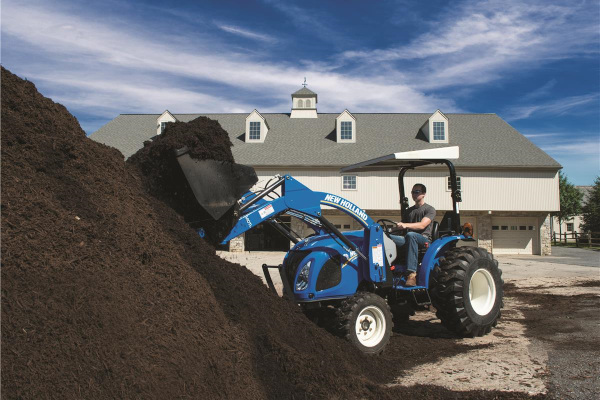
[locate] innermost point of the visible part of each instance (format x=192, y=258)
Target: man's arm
x=415, y=225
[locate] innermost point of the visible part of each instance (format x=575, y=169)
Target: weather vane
x=304, y=84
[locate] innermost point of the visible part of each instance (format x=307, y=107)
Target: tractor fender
x=436, y=250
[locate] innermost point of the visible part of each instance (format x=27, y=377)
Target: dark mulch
x=108, y=293
x=590, y=283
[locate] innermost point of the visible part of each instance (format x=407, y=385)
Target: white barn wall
x=481, y=190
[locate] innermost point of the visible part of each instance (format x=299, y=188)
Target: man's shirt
x=416, y=214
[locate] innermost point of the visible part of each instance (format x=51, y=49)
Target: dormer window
x=307, y=105
x=254, y=131
x=345, y=125
x=300, y=103
x=346, y=133
x=163, y=120
x=439, y=133
x=435, y=128
x=256, y=128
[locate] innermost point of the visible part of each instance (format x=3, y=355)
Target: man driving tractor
x=419, y=225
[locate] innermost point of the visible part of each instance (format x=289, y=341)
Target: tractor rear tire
x=467, y=291
x=366, y=321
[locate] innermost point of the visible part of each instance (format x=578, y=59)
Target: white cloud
x=246, y=33
x=554, y=107
x=542, y=91
x=479, y=41
x=578, y=147
x=119, y=67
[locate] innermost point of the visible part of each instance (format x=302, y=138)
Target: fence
x=587, y=239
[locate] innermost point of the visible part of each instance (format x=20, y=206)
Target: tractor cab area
x=450, y=226
x=406, y=161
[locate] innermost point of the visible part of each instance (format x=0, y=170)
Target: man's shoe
x=411, y=279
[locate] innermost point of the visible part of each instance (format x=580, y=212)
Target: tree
x=591, y=209
x=570, y=200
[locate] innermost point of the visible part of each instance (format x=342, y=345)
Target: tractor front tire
x=366, y=321
x=468, y=291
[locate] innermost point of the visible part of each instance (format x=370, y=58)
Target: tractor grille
x=331, y=273
x=292, y=263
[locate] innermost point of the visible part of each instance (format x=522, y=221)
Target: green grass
x=581, y=246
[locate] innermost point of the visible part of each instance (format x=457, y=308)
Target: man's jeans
x=414, y=240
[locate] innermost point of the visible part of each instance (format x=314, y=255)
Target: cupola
x=304, y=103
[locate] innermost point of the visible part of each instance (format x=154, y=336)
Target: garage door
x=514, y=235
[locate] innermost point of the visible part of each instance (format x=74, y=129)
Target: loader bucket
x=217, y=185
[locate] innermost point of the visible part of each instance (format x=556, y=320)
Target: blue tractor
x=353, y=282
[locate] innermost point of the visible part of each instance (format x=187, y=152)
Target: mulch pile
x=108, y=293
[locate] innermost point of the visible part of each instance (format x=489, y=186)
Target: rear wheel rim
x=370, y=326
x=482, y=291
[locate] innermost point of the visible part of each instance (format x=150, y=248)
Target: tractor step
x=421, y=296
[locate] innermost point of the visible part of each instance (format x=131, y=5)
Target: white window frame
x=355, y=182
x=572, y=226
x=307, y=103
x=342, y=130
x=250, y=131
x=300, y=103
x=163, y=125
x=433, y=125
x=449, y=184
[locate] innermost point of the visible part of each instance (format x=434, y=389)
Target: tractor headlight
x=302, y=280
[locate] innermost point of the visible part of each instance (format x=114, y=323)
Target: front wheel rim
x=482, y=291
x=370, y=326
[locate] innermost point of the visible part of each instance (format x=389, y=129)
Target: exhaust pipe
x=217, y=185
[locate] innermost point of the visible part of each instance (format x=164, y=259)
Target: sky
x=534, y=63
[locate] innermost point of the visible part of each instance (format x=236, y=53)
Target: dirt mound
x=108, y=293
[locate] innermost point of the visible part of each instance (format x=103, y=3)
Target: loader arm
x=296, y=200
x=299, y=201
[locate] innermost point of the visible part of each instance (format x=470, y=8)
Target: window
x=530, y=227
x=504, y=227
x=346, y=133
x=307, y=105
x=346, y=226
x=300, y=103
x=349, y=182
x=254, y=131
x=163, y=125
x=438, y=131
x=513, y=228
x=570, y=227
x=458, y=184
x=495, y=228
x=522, y=228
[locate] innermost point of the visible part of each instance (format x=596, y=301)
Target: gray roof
x=303, y=92
x=485, y=140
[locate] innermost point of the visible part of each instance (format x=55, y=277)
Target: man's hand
x=400, y=225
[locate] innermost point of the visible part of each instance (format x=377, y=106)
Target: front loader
x=353, y=282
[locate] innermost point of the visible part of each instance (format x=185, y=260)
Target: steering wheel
x=389, y=226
